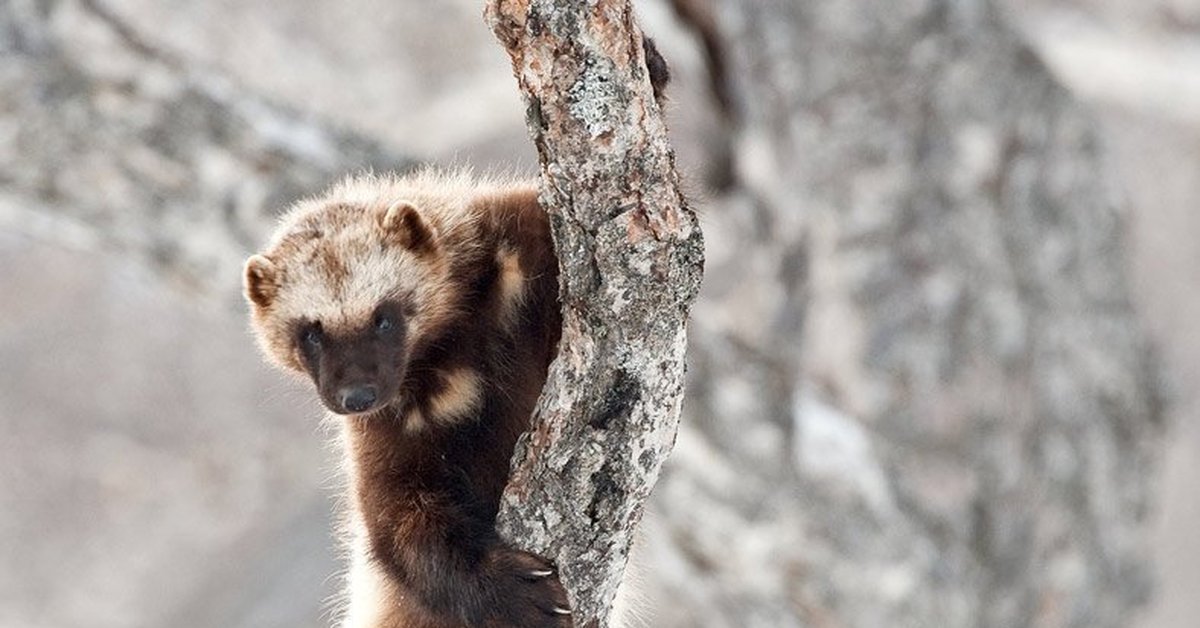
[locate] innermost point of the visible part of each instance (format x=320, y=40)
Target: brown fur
x=438, y=293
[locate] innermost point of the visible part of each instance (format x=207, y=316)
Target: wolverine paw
x=529, y=592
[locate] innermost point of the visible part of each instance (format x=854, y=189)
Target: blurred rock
x=113, y=143
x=146, y=451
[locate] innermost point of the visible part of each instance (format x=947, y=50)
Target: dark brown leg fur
x=435, y=541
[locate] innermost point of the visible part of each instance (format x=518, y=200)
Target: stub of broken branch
x=630, y=257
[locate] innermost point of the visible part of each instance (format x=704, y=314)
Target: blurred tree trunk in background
x=919, y=396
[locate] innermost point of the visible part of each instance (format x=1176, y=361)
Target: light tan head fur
x=325, y=263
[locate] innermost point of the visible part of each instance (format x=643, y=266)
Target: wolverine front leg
x=460, y=570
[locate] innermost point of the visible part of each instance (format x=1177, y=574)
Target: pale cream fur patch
x=414, y=421
x=461, y=392
x=511, y=285
x=631, y=608
x=368, y=591
x=367, y=594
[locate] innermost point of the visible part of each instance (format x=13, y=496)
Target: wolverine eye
x=311, y=336
x=383, y=323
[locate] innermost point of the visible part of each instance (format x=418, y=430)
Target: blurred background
x=941, y=372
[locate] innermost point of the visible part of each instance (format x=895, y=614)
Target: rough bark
x=934, y=405
x=631, y=258
x=140, y=152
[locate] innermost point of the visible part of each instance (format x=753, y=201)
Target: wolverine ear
x=405, y=226
x=261, y=280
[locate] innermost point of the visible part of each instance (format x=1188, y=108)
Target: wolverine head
x=342, y=293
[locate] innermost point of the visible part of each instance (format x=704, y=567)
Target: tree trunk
x=630, y=257
x=920, y=396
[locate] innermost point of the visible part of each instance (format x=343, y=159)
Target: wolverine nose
x=357, y=398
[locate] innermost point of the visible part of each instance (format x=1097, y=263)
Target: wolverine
x=425, y=311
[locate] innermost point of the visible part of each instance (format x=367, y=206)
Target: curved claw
x=540, y=573
x=558, y=610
